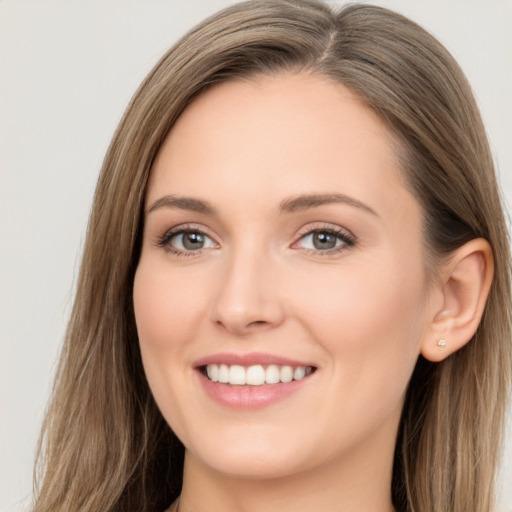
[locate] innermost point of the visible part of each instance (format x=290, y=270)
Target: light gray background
x=67, y=71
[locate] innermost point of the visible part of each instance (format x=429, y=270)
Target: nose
x=248, y=296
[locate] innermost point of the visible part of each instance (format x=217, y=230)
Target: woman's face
x=280, y=243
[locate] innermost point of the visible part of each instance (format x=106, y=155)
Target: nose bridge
x=247, y=297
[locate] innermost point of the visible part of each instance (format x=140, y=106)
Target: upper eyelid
x=193, y=227
x=325, y=226
x=161, y=239
x=346, y=235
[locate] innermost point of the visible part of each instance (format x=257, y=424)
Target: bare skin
x=335, y=279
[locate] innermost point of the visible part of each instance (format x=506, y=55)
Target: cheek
x=369, y=321
x=166, y=308
x=368, y=324
x=357, y=299
x=167, y=313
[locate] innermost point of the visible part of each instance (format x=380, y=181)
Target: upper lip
x=248, y=359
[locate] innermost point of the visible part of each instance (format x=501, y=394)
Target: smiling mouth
x=255, y=375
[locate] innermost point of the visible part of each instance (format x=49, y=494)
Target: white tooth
x=272, y=374
x=286, y=374
x=309, y=370
x=256, y=375
x=237, y=374
x=212, y=370
x=223, y=373
x=299, y=373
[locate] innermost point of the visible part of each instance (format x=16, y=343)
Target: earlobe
x=465, y=280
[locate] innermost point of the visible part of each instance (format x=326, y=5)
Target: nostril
x=242, y=327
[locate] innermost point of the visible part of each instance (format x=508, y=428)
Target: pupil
x=193, y=241
x=324, y=241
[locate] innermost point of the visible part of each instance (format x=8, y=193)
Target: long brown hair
x=105, y=445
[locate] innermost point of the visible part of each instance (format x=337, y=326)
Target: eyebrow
x=289, y=205
x=183, y=203
x=304, y=202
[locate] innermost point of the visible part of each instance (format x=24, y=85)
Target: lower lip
x=250, y=397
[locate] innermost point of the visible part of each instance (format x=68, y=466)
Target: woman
x=295, y=287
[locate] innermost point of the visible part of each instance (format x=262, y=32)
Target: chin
x=250, y=457
x=253, y=467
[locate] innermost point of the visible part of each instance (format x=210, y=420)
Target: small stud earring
x=441, y=344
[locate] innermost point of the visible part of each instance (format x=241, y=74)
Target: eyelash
x=348, y=240
x=187, y=228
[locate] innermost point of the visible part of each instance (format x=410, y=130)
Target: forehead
x=297, y=132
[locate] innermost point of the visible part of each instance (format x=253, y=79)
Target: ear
x=464, y=283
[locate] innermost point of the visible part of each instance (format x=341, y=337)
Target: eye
x=190, y=241
x=184, y=241
x=325, y=240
